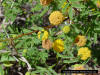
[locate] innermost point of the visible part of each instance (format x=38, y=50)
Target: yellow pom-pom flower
x=45, y=35
x=56, y=18
x=66, y=29
x=39, y=33
x=78, y=67
x=84, y=53
x=80, y=40
x=45, y=2
x=58, y=45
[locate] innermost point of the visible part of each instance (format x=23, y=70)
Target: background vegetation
x=23, y=53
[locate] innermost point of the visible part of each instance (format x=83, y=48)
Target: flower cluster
x=80, y=40
x=56, y=18
x=47, y=44
x=66, y=29
x=45, y=35
x=39, y=33
x=84, y=53
x=58, y=45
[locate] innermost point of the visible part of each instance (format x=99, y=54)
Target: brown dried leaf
x=45, y=2
x=47, y=44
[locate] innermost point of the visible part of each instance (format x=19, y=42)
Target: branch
x=24, y=60
x=19, y=36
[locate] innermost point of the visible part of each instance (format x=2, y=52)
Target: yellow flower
x=56, y=18
x=78, y=67
x=80, y=40
x=45, y=35
x=39, y=34
x=64, y=4
x=45, y=2
x=84, y=52
x=58, y=45
x=66, y=29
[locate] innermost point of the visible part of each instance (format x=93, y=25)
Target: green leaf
x=70, y=12
x=78, y=5
x=28, y=73
x=65, y=8
x=11, y=58
x=26, y=30
x=74, y=0
x=52, y=71
x=95, y=37
x=97, y=30
x=38, y=7
x=37, y=28
x=64, y=56
x=20, y=44
x=70, y=61
x=7, y=64
x=1, y=70
x=43, y=12
x=4, y=58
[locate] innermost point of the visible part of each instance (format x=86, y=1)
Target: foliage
x=20, y=45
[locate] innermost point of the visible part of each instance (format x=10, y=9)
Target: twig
x=20, y=73
x=3, y=51
x=19, y=36
x=24, y=60
x=87, y=31
x=12, y=4
x=16, y=59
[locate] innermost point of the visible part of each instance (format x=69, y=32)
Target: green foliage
x=18, y=39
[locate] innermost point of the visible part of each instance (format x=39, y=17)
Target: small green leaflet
x=77, y=5
x=70, y=12
x=70, y=61
x=75, y=0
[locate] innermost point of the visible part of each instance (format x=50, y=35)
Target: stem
x=87, y=31
x=19, y=36
x=4, y=27
x=24, y=60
